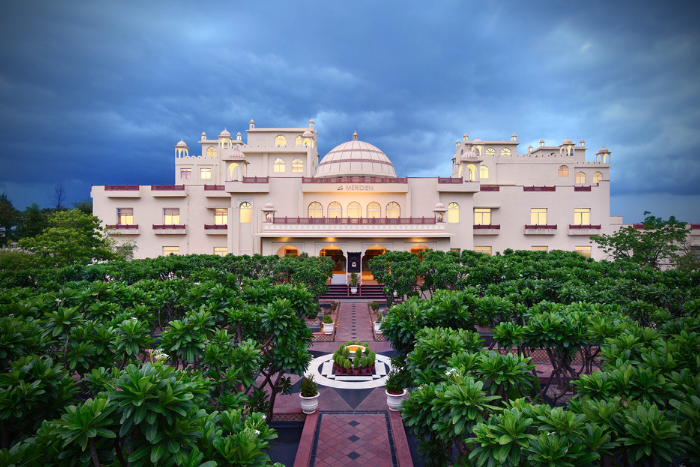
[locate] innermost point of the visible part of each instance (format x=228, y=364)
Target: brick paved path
x=353, y=439
x=354, y=323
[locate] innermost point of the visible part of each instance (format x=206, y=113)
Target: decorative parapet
x=123, y=229
x=584, y=229
x=582, y=188
x=450, y=180
x=354, y=180
x=417, y=226
x=539, y=188
x=487, y=229
x=169, y=229
x=490, y=188
x=544, y=229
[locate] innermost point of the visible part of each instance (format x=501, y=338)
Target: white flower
x=256, y=432
x=264, y=417
x=134, y=319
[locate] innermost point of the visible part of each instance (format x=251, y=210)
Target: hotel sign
x=355, y=188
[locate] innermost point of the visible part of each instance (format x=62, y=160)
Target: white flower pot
x=353, y=289
x=377, y=327
x=328, y=328
x=309, y=405
x=394, y=400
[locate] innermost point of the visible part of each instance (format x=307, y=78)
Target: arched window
x=453, y=213
x=232, y=172
x=246, y=212
x=354, y=210
x=279, y=166
x=211, y=152
x=460, y=170
x=477, y=150
x=297, y=165
x=505, y=152
x=393, y=210
x=483, y=172
x=472, y=172
x=373, y=210
x=580, y=177
x=315, y=210
x=597, y=177
x=335, y=210
x=490, y=152
x=563, y=171
x=308, y=142
x=280, y=141
x=297, y=141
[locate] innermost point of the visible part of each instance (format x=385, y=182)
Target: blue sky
x=99, y=92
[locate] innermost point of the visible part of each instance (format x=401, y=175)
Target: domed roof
x=439, y=207
x=307, y=134
x=355, y=158
x=567, y=141
x=225, y=134
x=269, y=205
x=603, y=150
x=469, y=155
x=181, y=144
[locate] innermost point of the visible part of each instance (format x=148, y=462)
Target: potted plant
x=334, y=306
x=354, y=282
x=308, y=394
x=394, y=391
x=327, y=324
x=374, y=306
x=378, y=324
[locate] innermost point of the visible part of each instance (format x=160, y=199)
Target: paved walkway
x=354, y=323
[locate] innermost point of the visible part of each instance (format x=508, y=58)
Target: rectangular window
x=483, y=249
x=583, y=250
x=125, y=216
x=582, y=216
x=205, y=174
x=171, y=250
x=538, y=216
x=185, y=174
x=171, y=216
x=220, y=251
x=458, y=250
x=482, y=216
x=538, y=248
x=220, y=216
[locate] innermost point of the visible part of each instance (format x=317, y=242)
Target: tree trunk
x=93, y=452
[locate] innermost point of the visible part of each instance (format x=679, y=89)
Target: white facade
x=272, y=195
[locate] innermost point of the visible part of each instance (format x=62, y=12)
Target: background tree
x=9, y=218
x=84, y=205
x=659, y=240
x=34, y=220
x=59, y=197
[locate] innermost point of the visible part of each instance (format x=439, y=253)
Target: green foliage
x=308, y=386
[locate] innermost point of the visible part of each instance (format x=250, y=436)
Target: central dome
x=355, y=158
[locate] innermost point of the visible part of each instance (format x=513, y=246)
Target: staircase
x=372, y=293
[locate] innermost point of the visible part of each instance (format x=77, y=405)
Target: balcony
x=354, y=180
x=123, y=191
x=169, y=229
x=123, y=229
x=487, y=229
x=584, y=229
x=694, y=229
x=256, y=179
x=354, y=227
x=457, y=181
x=355, y=220
x=582, y=188
x=490, y=188
x=168, y=191
x=215, y=191
x=540, y=229
x=247, y=185
x=216, y=229
x=539, y=188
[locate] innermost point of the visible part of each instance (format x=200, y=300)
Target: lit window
x=393, y=211
x=373, y=210
x=246, y=212
x=171, y=250
x=280, y=141
x=477, y=150
x=538, y=248
x=211, y=152
x=483, y=172
x=580, y=177
x=354, y=210
x=233, y=172
x=456, y=250
x=505, y=152
x=171, y=216
x=472, y=172
x=335, y=210
x=279, y=165
x=538, y=216
x=583, y=250
x=308, y=142
x=205, y=174
x=297, y=165
x=315, y=210
x=482, y=216
x=490, y=152
x=483, y=249
x=597, y=177
x=125, y=216
x=453, y=213
x=220, y=250
x=297, y=141
x=185, y=174
x=563, y=171
x=582, y=216
x=220, y=216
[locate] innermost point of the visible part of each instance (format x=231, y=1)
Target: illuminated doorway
x=371, y=252
x=287, y=250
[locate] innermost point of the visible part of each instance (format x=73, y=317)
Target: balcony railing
x=487, y=226
x=450, y=180
x=539, y=188
x=354, y=180
x=256, y=179
x=354, y=221
x=215, y=226
x=638, y=226
x=541, y=226
x=167, y=187
x=489, y=188
x=582, y=188
x=168, y=226
x=695, y=226
x=214, y=187
x=123, y=226
x=121, y=187
x=584, y=226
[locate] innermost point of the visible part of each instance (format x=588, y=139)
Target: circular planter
x=328, y=328
x=353, y=348
x=309, y=405
x=377, y=327
x=394, y=400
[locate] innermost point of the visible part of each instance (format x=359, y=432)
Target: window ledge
x=123, y=229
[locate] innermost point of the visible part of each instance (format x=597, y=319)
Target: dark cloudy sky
x=98, y=92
